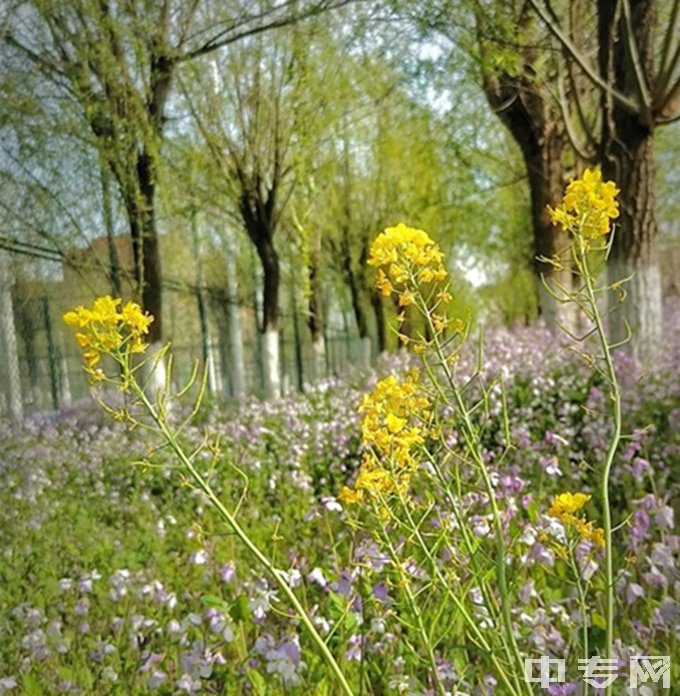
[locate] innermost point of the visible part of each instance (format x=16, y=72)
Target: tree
x=9, y=341
x=638, y=79
x=118, y=62
x=511, y=59
x=247, y=117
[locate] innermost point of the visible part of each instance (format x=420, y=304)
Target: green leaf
x=239, y=609
x=31, y=686
x=257, y=681
x=215, y=603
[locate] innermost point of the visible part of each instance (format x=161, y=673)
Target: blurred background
x=228, y=164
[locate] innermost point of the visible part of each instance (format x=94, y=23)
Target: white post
x=365, y=356
x=8, y=337
x=235, y=336
x=272, y=374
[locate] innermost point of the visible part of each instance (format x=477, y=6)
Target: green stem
x=611, y=451
x=472, y=443
x=424, y=638
x=245, y=539
x=459, y=604
x=582, y=604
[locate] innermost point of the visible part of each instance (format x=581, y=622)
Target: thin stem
x=611, y=451
x=459, y=604
x=245, y=539
x=424, y=637
x=582, y=604
x=472, y=444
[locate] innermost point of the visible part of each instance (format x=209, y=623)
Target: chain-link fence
x=42, y=367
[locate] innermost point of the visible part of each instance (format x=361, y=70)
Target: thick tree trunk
x=627, y=157
x=270, y=314
x=546, y=187
x=114, y=262
x=526, y=112
x=145, y=246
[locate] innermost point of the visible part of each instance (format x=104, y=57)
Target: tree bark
x=315, y=318
x=380, y=320
x=257, y=216
x=627, y=156
x=524, y=110
x=357, y=306
x=145, y=247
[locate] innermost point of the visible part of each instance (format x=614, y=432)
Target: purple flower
x=228, y=572
x=380, y=591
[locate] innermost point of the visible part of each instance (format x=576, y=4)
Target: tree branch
x=628, y=104
x=643, y=88
x=222, y=39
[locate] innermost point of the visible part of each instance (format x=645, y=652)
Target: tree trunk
x=145, y=246
x=209, y=362
x=380, y=321
x=148, y=271
x=546, y=187
x=525, y=111
x=270, y=314
x=315, y=320
x=627, y=155
x=107, y=212
x=359, y=313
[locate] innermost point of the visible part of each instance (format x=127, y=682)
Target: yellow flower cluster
x=405, y=256
x=105, y=329
x=588, y=206
x=565, y=506
x=391, y=429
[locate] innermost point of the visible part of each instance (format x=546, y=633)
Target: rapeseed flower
x=402, y=255
x=588, y=206
x=391, y=430
x=103, y=329
x=565, y=506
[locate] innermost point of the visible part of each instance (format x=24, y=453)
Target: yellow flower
x=394, y=423
x=565, y=506
x=104, y=310
x=383, y=284
x=135, y=319
x=349, y=496
x=588, y=206
x=406, y=253
x=374, y=481
x=567, y=503
x=391, y=429
x=102, y=329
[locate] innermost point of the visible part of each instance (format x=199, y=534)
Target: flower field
x=118, y=578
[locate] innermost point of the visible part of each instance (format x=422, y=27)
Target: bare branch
x=580, y=148
x=628, y=104
x=643, y=88
x=223, y=38
x=665, y=67
x=670, y=108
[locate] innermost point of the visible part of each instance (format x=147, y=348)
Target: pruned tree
x=246, y=117
x=118, y=62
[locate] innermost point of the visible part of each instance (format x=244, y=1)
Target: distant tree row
x=302, y=128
